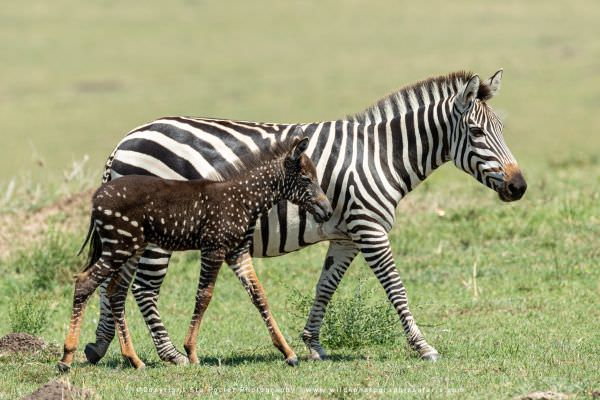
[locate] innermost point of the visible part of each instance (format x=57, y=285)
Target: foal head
x=301, y=185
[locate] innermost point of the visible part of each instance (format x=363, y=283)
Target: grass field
x=508, y=293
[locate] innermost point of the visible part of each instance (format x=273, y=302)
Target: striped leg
x=117, y=293
x=378, y=254
x=242, y=267
x=210, y=266
x=339, y=257
x=85, y=284
x=105, y=331
x=152, y=269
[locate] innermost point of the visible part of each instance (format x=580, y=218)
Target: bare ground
x=59, y=390
x=21, y=343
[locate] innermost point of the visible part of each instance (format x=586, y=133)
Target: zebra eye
x=477, y=132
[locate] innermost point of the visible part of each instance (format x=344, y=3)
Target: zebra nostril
x=517, y=186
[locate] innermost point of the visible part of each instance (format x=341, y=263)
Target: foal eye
x=477, y=132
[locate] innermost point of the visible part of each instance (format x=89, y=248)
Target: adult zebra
x=366, y=164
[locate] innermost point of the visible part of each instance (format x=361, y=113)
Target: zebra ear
x=299, y=148
x=469, y=93
x=494, y=83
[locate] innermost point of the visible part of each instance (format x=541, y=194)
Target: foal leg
x=210, y=265
x=85, y=284
x=117, y=294
x=242, y=266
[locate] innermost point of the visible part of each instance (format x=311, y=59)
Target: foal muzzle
x=321, y=209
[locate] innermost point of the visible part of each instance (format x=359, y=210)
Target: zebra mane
x=412, y=96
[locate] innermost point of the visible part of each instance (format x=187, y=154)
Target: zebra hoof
x=317, y=355
x=91, y=354
x=432, y=357
x=63, y=368
x=183, y=360
x=179, y=359
x=292, y=361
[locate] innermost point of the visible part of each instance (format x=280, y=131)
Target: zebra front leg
x=339, y=257
x=378, y=254
x=242, y=267
x=85, y=284
x=209, y=269
x=151, y=271
x=117, y=293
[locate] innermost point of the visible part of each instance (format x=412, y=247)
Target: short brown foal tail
x=95, y=245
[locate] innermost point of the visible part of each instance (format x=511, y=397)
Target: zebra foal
x=216, y=217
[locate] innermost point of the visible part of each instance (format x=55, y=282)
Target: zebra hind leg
x=151, y=271
x=105, y=331
x=339, y=257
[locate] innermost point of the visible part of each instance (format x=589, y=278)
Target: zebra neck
x=420, y=143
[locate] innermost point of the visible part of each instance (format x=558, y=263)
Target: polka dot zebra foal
x=216, y=217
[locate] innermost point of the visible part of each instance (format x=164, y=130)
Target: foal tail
x=95, y=248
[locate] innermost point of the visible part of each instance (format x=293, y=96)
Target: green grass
x=533, y=324
x=76, y=76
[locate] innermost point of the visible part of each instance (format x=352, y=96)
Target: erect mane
x=413, y=96
x=254, y=160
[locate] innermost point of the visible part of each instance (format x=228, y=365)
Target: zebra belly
x=284, y=232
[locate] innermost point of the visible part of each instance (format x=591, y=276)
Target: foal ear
x=299, y=148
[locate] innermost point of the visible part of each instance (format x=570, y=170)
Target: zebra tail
x=95, y=247
x=108, y=166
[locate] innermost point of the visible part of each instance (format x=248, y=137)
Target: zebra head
x=477, y=145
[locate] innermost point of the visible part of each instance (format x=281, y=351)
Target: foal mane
x=253, y=160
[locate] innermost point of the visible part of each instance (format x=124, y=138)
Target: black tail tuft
x=95, y=249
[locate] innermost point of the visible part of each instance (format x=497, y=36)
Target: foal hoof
x=140, y=366
x=91, y=354
x=432, y=357
x=292, y=361
x=63, y=368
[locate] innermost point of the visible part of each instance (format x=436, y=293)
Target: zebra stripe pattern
x=366, y=164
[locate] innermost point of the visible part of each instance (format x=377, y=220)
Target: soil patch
x=59, y=390
x=21, y=343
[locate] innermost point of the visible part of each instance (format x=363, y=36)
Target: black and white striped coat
x=366, y=163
